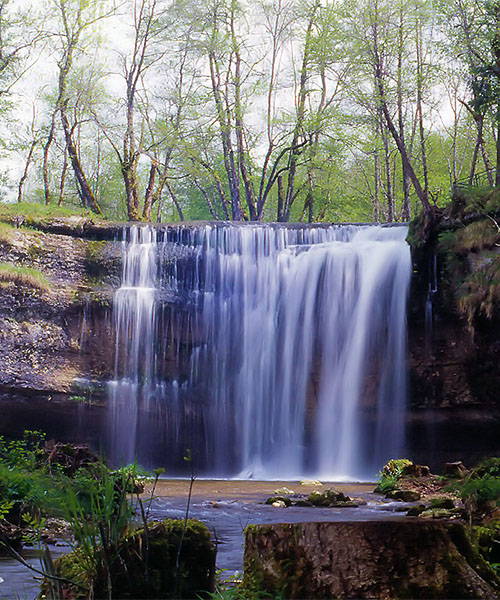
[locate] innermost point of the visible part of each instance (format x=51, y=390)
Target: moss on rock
x=144, y=565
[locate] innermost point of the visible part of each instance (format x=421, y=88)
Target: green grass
x=6, y=232
x=24, y=276
x=40, y=211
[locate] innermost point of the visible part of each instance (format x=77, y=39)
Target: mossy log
x=375, y=559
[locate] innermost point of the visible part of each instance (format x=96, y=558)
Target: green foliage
x=23, y=453
x=5, y=508
x=230, y=590
x=24, y=277
x=389, y=476
x=25, y=487
x=394, y=468
x=386, y=483
x=26, y=492
x=488, y=466
x=479, y=293
x=485, y=490
x=480, y=490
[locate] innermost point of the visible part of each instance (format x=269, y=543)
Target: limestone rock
x=374, y=559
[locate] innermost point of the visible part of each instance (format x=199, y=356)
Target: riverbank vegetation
x=51, y=490
x=273, y=110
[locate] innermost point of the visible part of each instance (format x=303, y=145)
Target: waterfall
x=268, y=351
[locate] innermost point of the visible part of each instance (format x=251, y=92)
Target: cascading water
x=269, y=351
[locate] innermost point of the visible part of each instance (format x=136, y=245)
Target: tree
x=74, y=18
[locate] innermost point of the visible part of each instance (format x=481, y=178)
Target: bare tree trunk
x=299, y=124
x=281, y=198
x=225, y=134
x=25, y=172
x=85, y=191
x=148, y=196
x=486, y=161
x=62, y=182
x=210, y=204
x=497, y=167
x=46, y=150
x=406, y=209
x=423, y=150
x=388, y=183
x=238, y=119
x=174, y=200
x=421, y=193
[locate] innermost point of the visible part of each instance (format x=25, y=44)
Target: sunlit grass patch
x=38, y=211
x=24, y=276
x=6, y=232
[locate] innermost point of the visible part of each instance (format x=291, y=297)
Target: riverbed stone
x=328, y=497
x=403, y=495
x=302, y=503
x=374, y=559
x=274, y=499
x=415, y=511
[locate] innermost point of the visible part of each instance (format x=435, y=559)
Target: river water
x=226, y=507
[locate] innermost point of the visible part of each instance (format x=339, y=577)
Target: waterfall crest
x=269, y=351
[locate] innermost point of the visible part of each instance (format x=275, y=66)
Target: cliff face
x=55, y=298
x=41, y=330
x=454, y=330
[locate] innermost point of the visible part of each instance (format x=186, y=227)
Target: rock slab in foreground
x=373, y=559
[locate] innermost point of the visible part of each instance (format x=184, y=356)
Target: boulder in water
x=328, y=497
x=287, y=501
